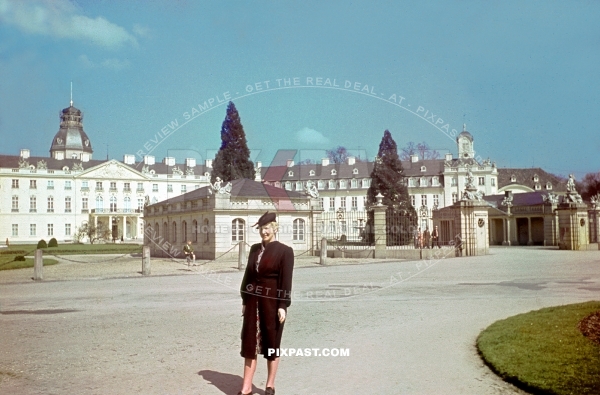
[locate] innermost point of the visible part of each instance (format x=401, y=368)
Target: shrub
x=19, y=258
x=53, y=242
x=42, y=244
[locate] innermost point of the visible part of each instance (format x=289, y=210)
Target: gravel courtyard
x=96, y=326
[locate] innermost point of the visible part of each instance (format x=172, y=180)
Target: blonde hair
x=274, y=226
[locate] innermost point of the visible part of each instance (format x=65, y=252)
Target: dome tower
x=71, y=142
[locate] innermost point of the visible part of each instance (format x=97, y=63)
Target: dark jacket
x=266, y=291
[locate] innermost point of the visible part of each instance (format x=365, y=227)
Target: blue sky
x=523, y=76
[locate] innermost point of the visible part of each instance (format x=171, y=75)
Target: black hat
x=266, y=218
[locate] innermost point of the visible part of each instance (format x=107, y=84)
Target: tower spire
x=71, y=93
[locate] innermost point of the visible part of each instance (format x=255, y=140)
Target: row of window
x=238, y=231
x=100, y=186
x=424, y=200
x=480, y=181
x=84, y=204
x=322, y=185
x=343, y=200
x=312, y=173
x=33, y=230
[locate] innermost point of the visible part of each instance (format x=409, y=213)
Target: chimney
x=258, y=164
x=190, y=162
x=351, y=160
x=325, y=162
x=149, y=160
x=208, y=163
x=24, y=153
x=169, y=161
x=414, y=158
x=129, y=159
x=448, y=156
x=85, y=157
x=290, y=163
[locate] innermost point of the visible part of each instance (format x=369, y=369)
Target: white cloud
x=61, y=19
x=112, y=63
x=140, y=31
x=311, y=136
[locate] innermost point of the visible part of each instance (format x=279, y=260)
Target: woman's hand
x=281, y=314
x=243, y=309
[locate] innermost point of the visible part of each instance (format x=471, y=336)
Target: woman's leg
x=249, y=369
x=272, y=371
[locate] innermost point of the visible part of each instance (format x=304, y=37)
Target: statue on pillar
x=572, y=195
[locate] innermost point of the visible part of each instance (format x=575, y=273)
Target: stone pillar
x=474, y=227
x=146, y=260
x=323, y=258
x=38, y=265
x=529, y=239
x=572, y=220
x=241, y=255
x=124, y=229
x=380, y=231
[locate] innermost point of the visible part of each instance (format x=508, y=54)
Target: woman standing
x=266, y=294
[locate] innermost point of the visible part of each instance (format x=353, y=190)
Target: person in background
x=435, y=237
x=188, y=250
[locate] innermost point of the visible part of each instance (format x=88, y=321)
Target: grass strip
x=543, y=352
x=27, y=263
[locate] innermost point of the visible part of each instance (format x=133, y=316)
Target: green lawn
x=543, y=351
x=7, y=255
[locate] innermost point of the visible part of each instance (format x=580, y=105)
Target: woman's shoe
x=241, y=393
x=270, y=391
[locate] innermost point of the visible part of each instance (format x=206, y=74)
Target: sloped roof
x=519, y=199
x=526, y=177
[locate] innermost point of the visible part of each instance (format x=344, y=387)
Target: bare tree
x=338, y=154
x=423, y=150
x=93, y=233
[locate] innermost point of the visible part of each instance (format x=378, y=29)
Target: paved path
x=410, y=327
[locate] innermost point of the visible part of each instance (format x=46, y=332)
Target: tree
x=93, y=233
x=423, y=150
x=337, y=155
x=233, y=159
x=589, y=186
x=387, y=178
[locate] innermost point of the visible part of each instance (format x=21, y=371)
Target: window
x=32, y=229
x=196, y=186
x=342, y=184
x=513, y=178
x=331, y=204
x=15, y=229
x=165, y=231
x=333, y=172
x=548, y=185
x=481, y=180
x=331, y=226
x=536, y=178
x=321, y=203
x=67, y=185
x=84, y=203
x=354, y=171
x=354, y=183
x=298, y=185
x=67, y=204
x=174, y=229
x=99, y=203
x=50, y=229
x=32, y=204
x=366, y=183
x=311, y=173
x=140, y=204
x=15, y=183
x=354, y=227
x=50, y=184
x=184, y=237
x=127, y=204
x=321, y=184
x=436, y=200
x=195, y=231
x=493, y=182
x=354, y=203
x=423, y=168
x=84, y=185
x=237, y=230
x=113, y=204
x=154, y=187
x=183, y=188
x=343, y=226
x=331, y=184
x=15, y=204
x=411, y=182
x=412, y=200
x=454, y=197
x=113, y=186
x=50, y=204
x=32, y=184
x=206, y=231
x=435, y=181
x=343, y=203
x=288, y=186
x=424, y=200
x=298, y=230
x=364, y=201
x=454, y=181
x=423, y=182
x=126, y=187
x=140, y=187
x=67, y=229
x=169, y=187
x=98, y=185
x=538, y=187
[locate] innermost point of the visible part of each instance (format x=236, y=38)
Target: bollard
x=38, y=265
x=323, y=259
x=146, y=260
x=241, y=255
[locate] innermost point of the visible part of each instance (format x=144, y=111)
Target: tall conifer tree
x=233, y=159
